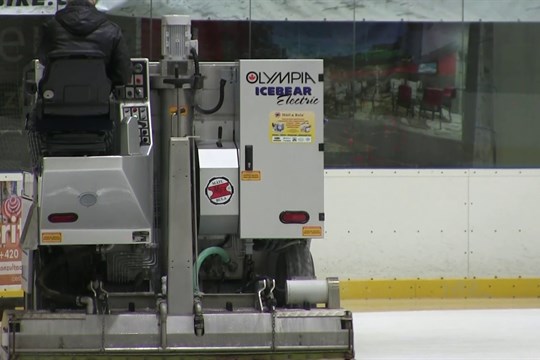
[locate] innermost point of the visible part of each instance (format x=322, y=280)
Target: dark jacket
x=80, y=26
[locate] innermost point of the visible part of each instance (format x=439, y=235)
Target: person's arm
x=120, y=61
x=45, y=43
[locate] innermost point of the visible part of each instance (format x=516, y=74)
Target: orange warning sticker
x=173, y=110
x=51, y=237
x=312, y=231
x=250, y=175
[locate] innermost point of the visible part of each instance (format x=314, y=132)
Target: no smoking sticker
x=219, y=190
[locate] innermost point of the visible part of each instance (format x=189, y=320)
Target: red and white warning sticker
x=219, y=190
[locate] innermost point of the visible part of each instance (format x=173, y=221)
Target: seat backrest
x=404, y=93
x=433, y=97
x=75, y=84
x=449, y=92
x=74, y=93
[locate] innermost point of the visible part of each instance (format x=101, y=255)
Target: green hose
x=214, y=250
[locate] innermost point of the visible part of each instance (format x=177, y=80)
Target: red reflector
x=63, y=217
x=294, y=217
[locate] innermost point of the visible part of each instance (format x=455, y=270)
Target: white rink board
x=430, y=224
x=390, y=223
x=504, y=223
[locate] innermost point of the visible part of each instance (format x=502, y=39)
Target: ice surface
x=448, y=334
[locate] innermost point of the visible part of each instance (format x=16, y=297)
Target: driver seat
x=73, y=109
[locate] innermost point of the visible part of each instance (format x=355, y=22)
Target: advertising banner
x=198, y=10
x=302, y=10
x=29, y=7
x=11, y=220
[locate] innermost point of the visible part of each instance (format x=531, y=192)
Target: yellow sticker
x=173, y=110
x=51, y=237
x=250, y=175
x=296, y=127
x=312, y=231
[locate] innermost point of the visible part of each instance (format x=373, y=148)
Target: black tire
x=293, y=262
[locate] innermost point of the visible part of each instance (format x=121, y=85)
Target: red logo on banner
x=12, y=208
x=11, y=220
x=10, y=232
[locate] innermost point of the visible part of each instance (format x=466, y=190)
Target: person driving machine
x=78, y=46
x=79, y=27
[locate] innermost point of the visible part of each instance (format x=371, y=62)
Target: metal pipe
x=164, y=285
x=88, y=302
x=163, y=310
x=198, y=317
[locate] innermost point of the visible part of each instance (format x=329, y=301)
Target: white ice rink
x=448, y=334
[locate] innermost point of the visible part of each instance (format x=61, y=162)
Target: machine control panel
x=135, y=100
x=137, y=86
x=141, y=113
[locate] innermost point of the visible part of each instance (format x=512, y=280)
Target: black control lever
x=177, y=82
x=220, y=134
x=249, y=158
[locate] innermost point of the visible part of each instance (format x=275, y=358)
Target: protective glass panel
x=501, y=10
x=402, y=88
x=406, y=107
x=302, y=10
x=501, y=108
x=17, y=39
x=409, y=10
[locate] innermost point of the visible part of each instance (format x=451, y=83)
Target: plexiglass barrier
x=408, y=84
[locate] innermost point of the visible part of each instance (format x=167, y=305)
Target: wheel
x=293, y=262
